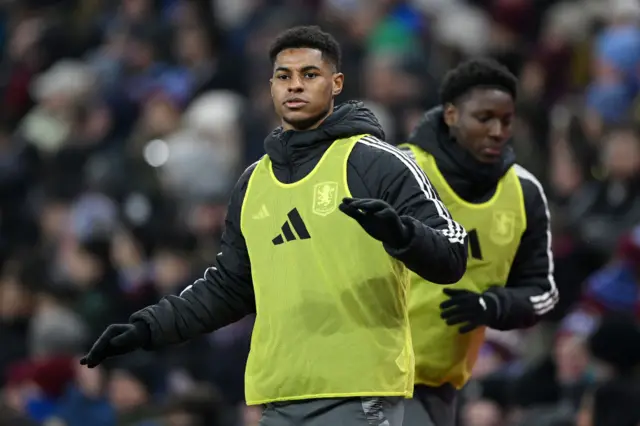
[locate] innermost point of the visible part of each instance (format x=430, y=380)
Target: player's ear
x=271, y=86
x=450, y=114
x=338, y=83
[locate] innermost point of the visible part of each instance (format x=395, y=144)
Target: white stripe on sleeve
x=454, y=232
x=408, y=152
x=546, y=301
x=204, y=277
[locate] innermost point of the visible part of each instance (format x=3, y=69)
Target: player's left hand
x=379, y=220
x=469, y=308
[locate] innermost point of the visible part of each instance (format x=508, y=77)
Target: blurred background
x=125, y=123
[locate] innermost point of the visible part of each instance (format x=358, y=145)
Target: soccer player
x=463, y=146
x=319, y=235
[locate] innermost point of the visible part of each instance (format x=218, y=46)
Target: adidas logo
x=263, y=213
x=298, y=225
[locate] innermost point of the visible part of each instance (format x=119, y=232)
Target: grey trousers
x=378, y=411
x=431, y=407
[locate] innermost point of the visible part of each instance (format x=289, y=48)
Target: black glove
x=117, y=339
x=379, y=220
x=465, y=306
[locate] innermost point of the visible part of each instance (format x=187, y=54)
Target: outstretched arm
x=222, y=296
x=436, y=249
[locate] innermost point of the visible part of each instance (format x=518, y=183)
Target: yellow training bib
x=494, y=229
x=332, y=316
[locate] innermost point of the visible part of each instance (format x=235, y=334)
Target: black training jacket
x=225, y=294
x=530, y=291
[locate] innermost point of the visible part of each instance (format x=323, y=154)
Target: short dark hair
x=311, y=37
x=477, y=73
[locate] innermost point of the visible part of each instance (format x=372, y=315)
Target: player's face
x=482, y=123
x=303, y=87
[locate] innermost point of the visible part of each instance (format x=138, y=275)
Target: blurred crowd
x=125, y=123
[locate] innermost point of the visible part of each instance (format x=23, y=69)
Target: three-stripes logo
x=297, y=224
x=263, y=213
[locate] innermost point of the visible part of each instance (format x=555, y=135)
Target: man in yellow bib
x=463, y=146
x=320, y=236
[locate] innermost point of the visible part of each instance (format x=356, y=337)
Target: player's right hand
x=117, y=339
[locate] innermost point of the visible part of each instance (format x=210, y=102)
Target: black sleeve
x=222, y=296
x=438, y=250
x=530, y=291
